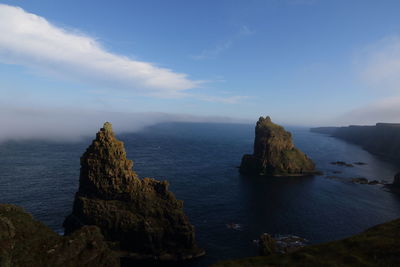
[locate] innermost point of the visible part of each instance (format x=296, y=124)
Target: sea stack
x=140, y=218
x=274, y=153
x=396, y=181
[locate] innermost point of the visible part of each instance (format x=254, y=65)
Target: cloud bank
x=30, y=40
x=384, y=110
x=380, y=64
x=21, y=123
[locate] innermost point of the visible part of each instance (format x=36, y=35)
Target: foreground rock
x=377, y=246
x=27, y=242
x=274, y=153
x=140, y=218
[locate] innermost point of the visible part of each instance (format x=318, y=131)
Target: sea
x=200, y=161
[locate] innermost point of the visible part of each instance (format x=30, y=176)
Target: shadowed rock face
x=140, y=217
x=274, y=153
x=27, y=242
x=396, y=181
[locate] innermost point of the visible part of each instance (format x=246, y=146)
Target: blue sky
x=303, y=62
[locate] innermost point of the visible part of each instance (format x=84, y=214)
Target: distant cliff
x=382, y=139
x=274, y=153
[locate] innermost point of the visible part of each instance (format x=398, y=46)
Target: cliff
x=274, y=153
x=377, y=246
x=382, y=139
x=27, y=242
x=140, y=218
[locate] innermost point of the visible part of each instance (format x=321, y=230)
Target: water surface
x=200, y=161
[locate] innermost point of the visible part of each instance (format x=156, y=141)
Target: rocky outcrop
x=27, y=242
x=267, y=245
x=274, y=153
x=140, y=218
x=396, y=181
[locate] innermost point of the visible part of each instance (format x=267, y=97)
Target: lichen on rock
x=274, y=153
x=141, y=218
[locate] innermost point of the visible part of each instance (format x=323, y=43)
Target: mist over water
x=71, y=125
x=200, y=161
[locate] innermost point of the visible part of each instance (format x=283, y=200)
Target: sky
x=66, y=64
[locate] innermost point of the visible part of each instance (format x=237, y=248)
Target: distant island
x=382, y=139
x=274, y=153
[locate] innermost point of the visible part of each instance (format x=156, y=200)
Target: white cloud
x=380, y=64
x=222, y=99
x=384, y=110
x=30, y=40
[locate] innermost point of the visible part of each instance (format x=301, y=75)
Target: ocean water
x=200, y=161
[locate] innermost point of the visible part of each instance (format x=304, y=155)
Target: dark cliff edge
x=139, y=218
x=382, y=139
x=275, y=154
x=377, y=246
x=27, y=242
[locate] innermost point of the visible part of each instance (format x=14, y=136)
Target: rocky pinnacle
x=141, y=218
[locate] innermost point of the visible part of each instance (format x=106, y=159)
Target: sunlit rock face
x=274, y=153
x=141, y=218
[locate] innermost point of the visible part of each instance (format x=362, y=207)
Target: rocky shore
x=377, y=246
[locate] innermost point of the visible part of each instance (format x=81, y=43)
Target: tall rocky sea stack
x=274, y=153
x=139, y=218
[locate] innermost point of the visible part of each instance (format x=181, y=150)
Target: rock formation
x=27, y=242
x=267, y=245
x=140, y=218
x=274, y=153
x=396, y=181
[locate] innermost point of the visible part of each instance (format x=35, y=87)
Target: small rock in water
x=234, y=226
x=359, y=180
x=342, y=163
x=360, y=163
